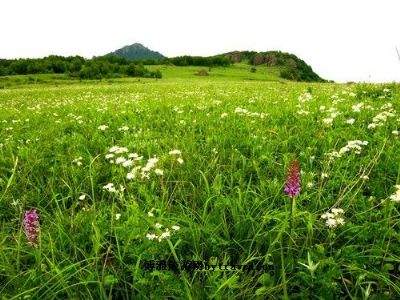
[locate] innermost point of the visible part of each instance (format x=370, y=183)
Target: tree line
x=77, y=67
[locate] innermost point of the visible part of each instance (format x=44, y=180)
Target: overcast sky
x=343, y=40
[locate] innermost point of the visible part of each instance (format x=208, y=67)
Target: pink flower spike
x=31, y=227
x=292, y=187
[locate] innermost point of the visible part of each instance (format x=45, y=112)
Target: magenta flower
x=292, y=187
x=31, y=227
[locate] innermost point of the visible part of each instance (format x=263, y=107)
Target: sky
x=342, y=40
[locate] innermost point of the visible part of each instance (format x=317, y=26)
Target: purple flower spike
x=31, y=227
x=292, y=187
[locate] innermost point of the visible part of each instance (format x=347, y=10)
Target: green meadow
x=174, y=188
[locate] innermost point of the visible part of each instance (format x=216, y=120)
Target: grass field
x=191, y=172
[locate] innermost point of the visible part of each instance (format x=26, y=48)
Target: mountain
x=136, y=52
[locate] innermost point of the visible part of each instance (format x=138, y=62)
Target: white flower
x=224, y=115
x=158, y=225
x=117, y=216
x=350, y=121
x=127, y=163
x=110, y=188
x=331, y=223
x=327, y=215
x=133, y=155
x=310, y=185
x=102, y=127
x=336, y=211
x=396, y=196
x=175, y=227
x=118, y=150
x=78, y=161
x=365, y=177
x=340, y=221
x=180, y=160
x=123, y=128
x=327, y=121
x=395, y=132
x=120, y=160
x=151, y=236
x=108, y=156
x=130, y=176
x=150, y=214
x=164, y=235
x=324, y=175
x=175, y=152
x=82, y=197
x=333, y=218
x=159, y=172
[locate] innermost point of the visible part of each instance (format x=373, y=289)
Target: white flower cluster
x=333, y=113
x=245, y=112
x=333, y=218
x=78, y=161
x=381, y=118
x=162, y=234
x=102, y=127
x=351, y=145
x=357, y=107
x=396, y=196
x=177, y=153
x=305, y=97
x=118, y=155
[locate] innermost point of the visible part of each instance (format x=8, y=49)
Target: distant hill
x=137, y=52
x=291, y=67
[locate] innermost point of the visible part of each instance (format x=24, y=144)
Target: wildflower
x=151, y=236
x=365, y=177
x=175, y=152
x=82, y=197
x=102, y=127
x=108, y=156
x=150, y=214
x=31, y=227
x=158, y=225
x=292, y=187
x=159, y=172
x=333, y=218
x=327, y=121
x=175, y=227
x=350, y=121
x=324, y=175
x=117, y=216
x=110, y=188
x=120, y=160
x=164, y=235
x=395, y=132
x=78, y=161
x=396, y=196
x=118, y=150
x=130, y=175
x=127, y=163
x=180, y=160
x=123, y=128
x=224, y=115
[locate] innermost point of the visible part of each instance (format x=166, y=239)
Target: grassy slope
x=234, y=72
x=227, y=196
